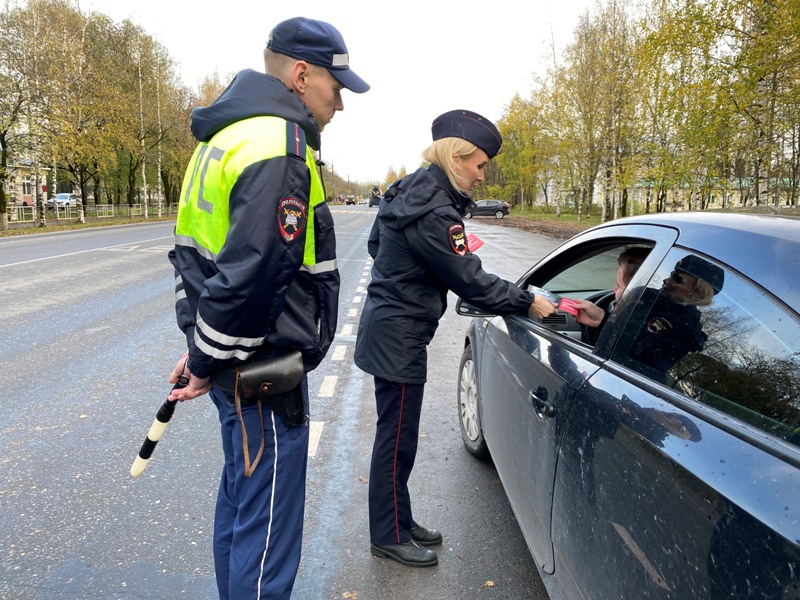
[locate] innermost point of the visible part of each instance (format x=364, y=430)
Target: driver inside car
x=593, y=317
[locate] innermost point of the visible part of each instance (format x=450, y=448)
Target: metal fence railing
x=29, y=214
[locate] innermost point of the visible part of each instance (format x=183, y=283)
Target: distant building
x=19, y=186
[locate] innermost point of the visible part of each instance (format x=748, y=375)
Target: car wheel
x=499, y=214
x=468, y=215
x=468, y=415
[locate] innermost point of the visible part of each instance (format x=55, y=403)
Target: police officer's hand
x=541, y=307
x=195, y=386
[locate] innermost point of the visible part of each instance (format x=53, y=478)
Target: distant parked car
x=63, y=199
x=498, y=208
x=659, y=458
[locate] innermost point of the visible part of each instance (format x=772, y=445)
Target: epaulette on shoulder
x=295, y=140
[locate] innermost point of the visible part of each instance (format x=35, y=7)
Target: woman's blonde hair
x=703, y=294
x=445, y=154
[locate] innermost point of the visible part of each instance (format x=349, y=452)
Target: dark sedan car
x=663, y=459
x=495, y=208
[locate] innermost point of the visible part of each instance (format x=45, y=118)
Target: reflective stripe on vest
x=204, y=213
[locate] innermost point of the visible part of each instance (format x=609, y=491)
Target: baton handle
x=163, y=416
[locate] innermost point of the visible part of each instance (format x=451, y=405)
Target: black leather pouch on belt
x=274, y=382
x=269, y=378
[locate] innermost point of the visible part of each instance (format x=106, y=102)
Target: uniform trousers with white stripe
x=258, y=523
x=399, y=406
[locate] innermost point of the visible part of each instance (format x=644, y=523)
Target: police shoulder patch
x=659, y=325
x=292, y=217
x=458, y=239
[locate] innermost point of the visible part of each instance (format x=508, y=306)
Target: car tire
x=468, y=407
x=499, y=214
x=468, y=215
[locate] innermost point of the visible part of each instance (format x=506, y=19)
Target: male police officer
x=255, y=266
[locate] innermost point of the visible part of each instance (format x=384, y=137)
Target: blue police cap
x=469, y=126
x=317, y=43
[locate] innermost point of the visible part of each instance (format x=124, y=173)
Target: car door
x=525, y=399
x=530, y=371
x=679, y=479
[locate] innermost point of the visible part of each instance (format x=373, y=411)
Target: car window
x=734, y=348
x=596, y=272
x=588, y=273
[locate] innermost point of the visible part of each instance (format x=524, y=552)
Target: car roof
x=763, y=247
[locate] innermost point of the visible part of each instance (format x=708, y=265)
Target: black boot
x=409, y=554
x=423, y=536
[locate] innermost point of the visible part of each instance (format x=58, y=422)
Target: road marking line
x=338, y=352
x=347, y=329
x=352, y=312
x=33, y=260
x=314, y=434
x=328, y=386
x=138, y=248
x=356, y=299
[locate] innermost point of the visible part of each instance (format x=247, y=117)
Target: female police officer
x=420, y=252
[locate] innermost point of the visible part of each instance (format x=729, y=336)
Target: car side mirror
x=465, y=309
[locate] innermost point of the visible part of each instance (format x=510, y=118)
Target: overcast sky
x=422, y=58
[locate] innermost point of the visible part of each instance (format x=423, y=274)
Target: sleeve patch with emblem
x=292, y=217
x=458, y=240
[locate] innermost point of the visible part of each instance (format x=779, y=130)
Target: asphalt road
x=87, y=340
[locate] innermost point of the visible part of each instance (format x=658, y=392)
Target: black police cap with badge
x=469, y=126
x=317, y=43
x=702, y=269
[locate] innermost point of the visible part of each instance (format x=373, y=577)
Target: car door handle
x=542, y=407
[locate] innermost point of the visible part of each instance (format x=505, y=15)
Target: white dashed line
x=347, y=329
x=314, y=434
x=327, y=387
x=338, y=352
x=352, y=312
x=356, y=299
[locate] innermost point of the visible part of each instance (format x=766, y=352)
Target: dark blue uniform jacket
x=419, y=248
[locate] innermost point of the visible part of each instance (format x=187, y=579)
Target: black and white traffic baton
x=163, y=416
